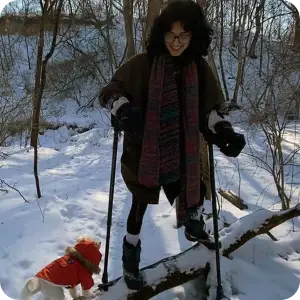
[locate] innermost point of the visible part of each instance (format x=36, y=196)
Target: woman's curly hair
x=191, y=15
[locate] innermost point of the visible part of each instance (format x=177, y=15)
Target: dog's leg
x=51, y=291
x=88, y=294
x=74, y=292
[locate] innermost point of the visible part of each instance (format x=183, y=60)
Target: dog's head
x=82, y=238
x=87, y=252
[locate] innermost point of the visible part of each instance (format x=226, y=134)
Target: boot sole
x=207, y=243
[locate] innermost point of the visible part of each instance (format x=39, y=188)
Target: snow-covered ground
x=74, y=174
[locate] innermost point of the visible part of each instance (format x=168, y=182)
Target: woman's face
x=177, y=40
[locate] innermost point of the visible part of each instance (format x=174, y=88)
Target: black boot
x=194, y=232
x=131, y=260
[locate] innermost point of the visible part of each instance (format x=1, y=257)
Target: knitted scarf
x=170, y=150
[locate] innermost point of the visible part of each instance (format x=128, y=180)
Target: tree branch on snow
x=233, y=199
x=195, y=261
x=11, y=187
x=3, y=155
x=252, y=225
x=165, y=274
x=239, y=203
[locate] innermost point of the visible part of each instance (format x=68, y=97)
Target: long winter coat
x=131, y=81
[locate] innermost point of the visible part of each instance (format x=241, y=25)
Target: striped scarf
x=162, y=160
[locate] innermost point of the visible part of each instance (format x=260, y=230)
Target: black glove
x=230, y=143
x=129, y=118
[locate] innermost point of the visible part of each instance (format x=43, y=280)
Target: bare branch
x=13, y=188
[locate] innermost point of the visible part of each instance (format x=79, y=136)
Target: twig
x=3, y=155
x=13, y=188
x=3, y=251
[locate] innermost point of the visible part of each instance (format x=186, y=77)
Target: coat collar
x=92, y=268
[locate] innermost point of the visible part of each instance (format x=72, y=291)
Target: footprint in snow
x=70, y=210
x=25, y=264
x=163, y=216
x=91, y=227
x=61, y=249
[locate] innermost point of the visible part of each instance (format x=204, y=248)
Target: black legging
x=136, y=215
x=138, y=208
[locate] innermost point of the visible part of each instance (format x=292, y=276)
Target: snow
x=74, y=171
x=74, y=174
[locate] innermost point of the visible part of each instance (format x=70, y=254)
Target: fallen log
x=233, y=199
x=195, y=261
x=240, y=204
x=164, y=275
x=252, y=225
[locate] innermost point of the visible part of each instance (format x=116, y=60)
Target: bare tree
x=275, y=106
x=154, y=7
x=128, y=19
x=258, y=22
x=40, y=77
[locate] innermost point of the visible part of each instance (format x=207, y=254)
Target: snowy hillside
x=74, y=173
x=74, y=169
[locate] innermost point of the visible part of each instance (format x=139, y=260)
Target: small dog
x=76, y=267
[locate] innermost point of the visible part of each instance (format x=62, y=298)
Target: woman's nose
x=176, y=42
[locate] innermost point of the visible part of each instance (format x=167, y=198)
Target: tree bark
x=235, y=30
x=296, y=28
x=40, y=81
x=164, y=275
x=240, y=60
x=221, y=53
x=37, y=101
x=258, y=24
x=152, y=12
x=233, y=199
x=195, y=261
x=128, y=19
x=265, y=221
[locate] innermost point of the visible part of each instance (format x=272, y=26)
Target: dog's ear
x=98, y=244
x=83, y=238
x=80, y=239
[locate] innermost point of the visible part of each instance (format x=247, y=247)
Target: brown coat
x=131, y=81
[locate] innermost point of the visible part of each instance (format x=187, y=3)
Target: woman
x=162, y=99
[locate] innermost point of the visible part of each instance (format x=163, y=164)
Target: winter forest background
x=55, y=143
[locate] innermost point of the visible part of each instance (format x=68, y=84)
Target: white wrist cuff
x=213, y=119
x=117, y=104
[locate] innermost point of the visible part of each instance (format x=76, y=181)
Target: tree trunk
x=153, y=11
x=241, y=61
x=221, y=52
x=264, y=222
x=233, y=199
x=164, y=275
x=40, y=81
x=296, y=28
x=235, y=30
x=195, y=261
x=128, y=19
x=258, y=23
x=37, y=102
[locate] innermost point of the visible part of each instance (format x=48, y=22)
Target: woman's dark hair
x=191, y=15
